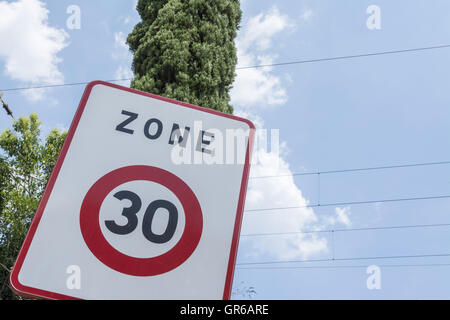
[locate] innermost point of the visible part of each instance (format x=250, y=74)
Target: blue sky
x=355, y=113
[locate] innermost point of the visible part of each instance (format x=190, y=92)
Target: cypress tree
x=184, y=50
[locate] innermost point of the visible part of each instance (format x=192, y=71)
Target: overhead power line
x=337, y=204
x=347, y=57
x=355, y=169
x=345, y=266
x=348, y=230
x=48, y=86
x=346, y=259
x=363, y=55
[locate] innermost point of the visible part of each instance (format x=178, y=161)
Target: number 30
x=132, y=221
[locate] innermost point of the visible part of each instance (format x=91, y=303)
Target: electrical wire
x=354, y=169
x=355, y=56
x=346, y=266
x=346, y=259
x=337, y=204
x=348, y=230
x=347, y=57
x=58, y=85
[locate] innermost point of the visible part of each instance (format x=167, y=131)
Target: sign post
x=145, y=202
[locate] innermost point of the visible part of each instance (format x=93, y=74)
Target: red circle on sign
x=100, y=247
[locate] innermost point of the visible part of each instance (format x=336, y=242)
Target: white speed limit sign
x=145, y=202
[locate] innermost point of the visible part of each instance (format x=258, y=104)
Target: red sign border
x=116, y=260
x=30, y=292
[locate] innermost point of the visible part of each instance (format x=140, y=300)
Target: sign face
x=145, y=202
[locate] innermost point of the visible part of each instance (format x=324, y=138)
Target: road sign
x=145, y=202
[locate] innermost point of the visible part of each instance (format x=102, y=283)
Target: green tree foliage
x=184, y=50
x=26, y=163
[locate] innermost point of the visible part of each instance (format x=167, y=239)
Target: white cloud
x=132, y=16
x=306, y=15
x=256, y=87
x=262, y=28
x=122, y=54
x=279, y=192
x=35, y=94
x=342, y=216
x=125, y=20
x=121, y=47
x=253, y=89
x=123, y=72
x=29, y=45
